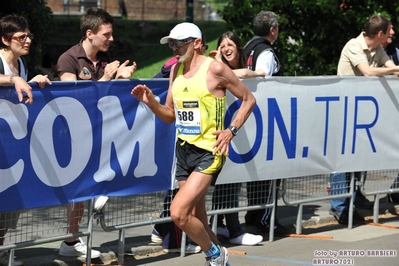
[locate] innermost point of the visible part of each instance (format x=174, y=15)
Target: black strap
x=392, y=53
x=252, y=46
x=256, y=46
x=395, y=57
x=25, y=65
x=1, y=67
x=19, y=67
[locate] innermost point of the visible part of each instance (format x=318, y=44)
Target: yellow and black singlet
x=198, y=112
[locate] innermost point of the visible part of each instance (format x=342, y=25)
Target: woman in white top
x=15, y=42
x=230, y=51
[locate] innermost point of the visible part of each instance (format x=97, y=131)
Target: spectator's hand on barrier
x=21, y=86
x=222, y=143
x=41, y=80
x=125, y=71
x=260, y=73
x=110, y=70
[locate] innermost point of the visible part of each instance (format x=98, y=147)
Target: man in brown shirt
x=89, y=59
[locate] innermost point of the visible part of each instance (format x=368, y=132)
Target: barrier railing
x=38, y=226
x=299, y=191
x=146, y=210
x=45, y=225
x=302, y=190
x=375, y=183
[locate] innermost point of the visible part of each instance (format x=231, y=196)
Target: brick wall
x=162, y=9
x=136, y=10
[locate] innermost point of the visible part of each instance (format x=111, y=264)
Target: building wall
x=136, y=9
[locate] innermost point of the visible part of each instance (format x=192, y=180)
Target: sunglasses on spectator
x=22, y=38
x=180, y=43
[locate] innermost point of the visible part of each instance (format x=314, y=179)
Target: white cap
x=183, y=31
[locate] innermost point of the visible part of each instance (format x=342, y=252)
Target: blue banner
x=79, y=140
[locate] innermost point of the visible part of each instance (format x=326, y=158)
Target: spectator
x=258, y=50
x=260, y=56
x=394, y=197
x=393, y=53
x=89, y=60
x=390, y=48
x=364, y=56
x=16, y=39
x=361, y=56
x=230, y=51
x=49, y=66
x=199, y=83
x=165, y=70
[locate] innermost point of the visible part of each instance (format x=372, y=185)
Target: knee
x=177, y=216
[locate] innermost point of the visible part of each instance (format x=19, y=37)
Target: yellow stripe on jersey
x=198, y=112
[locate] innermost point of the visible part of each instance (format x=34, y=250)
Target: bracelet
x=11, y=79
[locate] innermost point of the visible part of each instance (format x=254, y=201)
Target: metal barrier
x=32, y=227
x=121, y=213
x=45, y=225
x=379, y=182
x=302, y=190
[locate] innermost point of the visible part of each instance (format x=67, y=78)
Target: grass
x=134, y=40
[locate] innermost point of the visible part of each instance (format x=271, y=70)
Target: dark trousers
x=339, y=184
x=395, y=196
x=227, y=196
x=260, y=192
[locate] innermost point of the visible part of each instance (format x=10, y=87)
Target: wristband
x=11, y=79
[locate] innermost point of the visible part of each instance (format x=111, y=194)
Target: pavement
x=322, y=242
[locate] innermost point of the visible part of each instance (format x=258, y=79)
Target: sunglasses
x=180, y=43
x=22, y=38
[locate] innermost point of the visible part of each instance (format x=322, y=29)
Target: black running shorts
x=190, y=158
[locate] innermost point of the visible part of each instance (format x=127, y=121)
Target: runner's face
x=184, y=53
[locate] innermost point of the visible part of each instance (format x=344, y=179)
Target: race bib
x=188, y=116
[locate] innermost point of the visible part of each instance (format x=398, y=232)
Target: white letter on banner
x=44, y=160
x=115, y=131
x=16, y=116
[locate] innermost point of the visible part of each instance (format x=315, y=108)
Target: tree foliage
x=39, y=17
x=312, y=33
